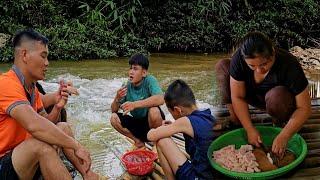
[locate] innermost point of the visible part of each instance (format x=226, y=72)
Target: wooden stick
x=155, y=176
x=310, y=128
x=313, y=145
x=311, y=162
x=314, y=135
x=158, y=168
x=307, y=172
x=313, y=121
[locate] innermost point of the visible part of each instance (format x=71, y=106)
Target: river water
x=98, y=81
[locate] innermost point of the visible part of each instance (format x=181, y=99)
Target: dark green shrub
x=108, y=28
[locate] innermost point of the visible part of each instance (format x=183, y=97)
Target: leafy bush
x=108, y=28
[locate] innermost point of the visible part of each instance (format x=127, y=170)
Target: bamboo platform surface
x=308, y=169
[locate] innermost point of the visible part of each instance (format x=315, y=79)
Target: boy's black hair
x=179, y=93
x=28, y=34
x=139, y=59
x=255, y=44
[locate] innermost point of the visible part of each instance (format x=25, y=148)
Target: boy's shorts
x=6, y=167
x=138, y=127
x=186, y=171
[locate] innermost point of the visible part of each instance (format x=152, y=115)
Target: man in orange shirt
x=28, y=137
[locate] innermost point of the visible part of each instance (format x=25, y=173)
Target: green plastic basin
x=238, y=137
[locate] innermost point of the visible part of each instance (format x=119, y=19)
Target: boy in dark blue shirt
x=196, y=127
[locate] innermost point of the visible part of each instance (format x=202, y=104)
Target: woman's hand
x=254, y=137
x=279, y=145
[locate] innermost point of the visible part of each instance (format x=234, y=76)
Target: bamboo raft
x=308, y=169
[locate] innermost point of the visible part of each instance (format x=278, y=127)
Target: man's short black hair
x=139, y=59
x=179, y=94
x=256, y=44
x=28, y=34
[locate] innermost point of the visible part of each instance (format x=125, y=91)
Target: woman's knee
x=222, y=74
x=280, y=103
x=222, y=65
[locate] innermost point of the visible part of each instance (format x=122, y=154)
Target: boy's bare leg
x=72, y=157
x=31, y=153
x=165, y=165
x=170, y=157
x=154, y=117
x=116, y=123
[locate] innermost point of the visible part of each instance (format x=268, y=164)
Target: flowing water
x=98, y=81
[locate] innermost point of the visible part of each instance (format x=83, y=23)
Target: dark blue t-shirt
x=197, y=147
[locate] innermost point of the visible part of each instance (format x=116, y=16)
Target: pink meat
x=239, y=160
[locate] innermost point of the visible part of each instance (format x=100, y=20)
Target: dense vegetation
x=108, y=28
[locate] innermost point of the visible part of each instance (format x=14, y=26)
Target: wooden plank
x=313, y=121
x=309, y=136
x=312, y=140
x=313, y=152
x=313, y=145
x=310, y=128
x=314, y=116
x=306, y=172
x=303, y=178
x=178, y=136
x=311, y=162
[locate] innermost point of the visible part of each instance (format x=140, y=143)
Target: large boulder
x=308, y=58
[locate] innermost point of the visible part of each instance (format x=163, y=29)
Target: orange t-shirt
x=12, y=94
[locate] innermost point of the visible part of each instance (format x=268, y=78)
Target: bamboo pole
x=156, y=176
x=313, y=121
x=313, y=145
x=307, y=172
x=158, y=168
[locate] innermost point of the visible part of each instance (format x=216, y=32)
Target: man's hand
x=62, y=95
x=254, y=137
x=84, y=157
x=121, y=93
x=128, y=106
x=72, y=90
x=279, y=145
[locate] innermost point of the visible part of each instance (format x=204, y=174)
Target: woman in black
x=267, y=78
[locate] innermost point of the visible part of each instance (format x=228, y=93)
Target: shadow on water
x=98, y=80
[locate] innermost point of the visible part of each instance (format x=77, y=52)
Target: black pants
x=7, y=171
x=138, y=127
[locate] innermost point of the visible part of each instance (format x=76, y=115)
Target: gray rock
x=308, y=58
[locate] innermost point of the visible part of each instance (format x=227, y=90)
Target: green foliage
x=108, y=28
x=120, y=14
